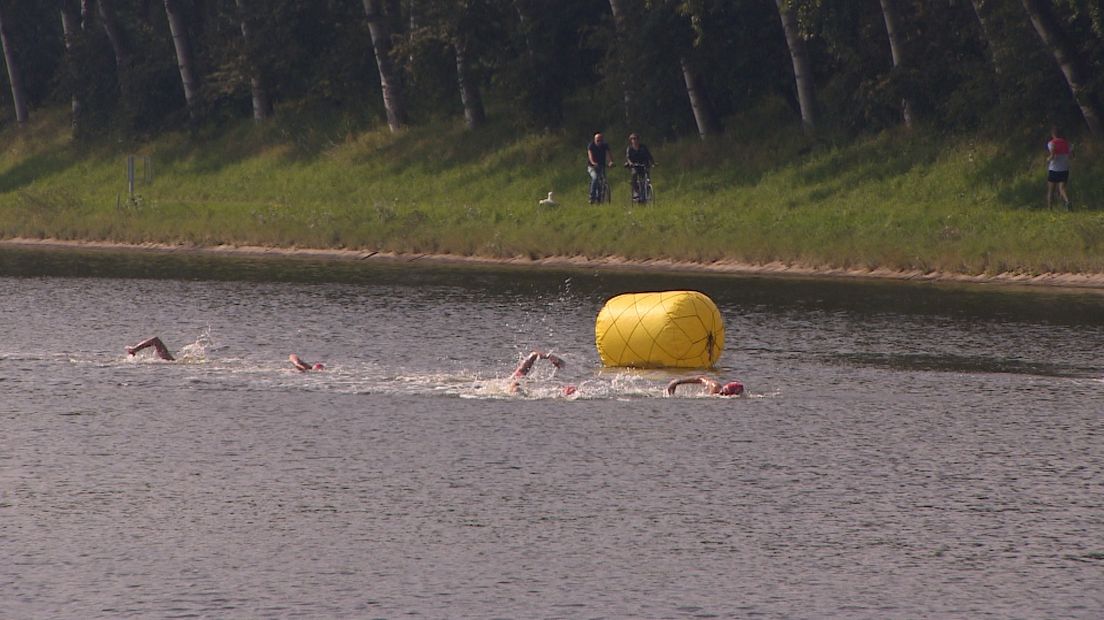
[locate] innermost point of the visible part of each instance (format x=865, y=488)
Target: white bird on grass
x=548, y=202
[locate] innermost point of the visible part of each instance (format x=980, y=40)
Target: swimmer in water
x=303, y=366
x=527, y=364
x=158, y=346
x=732, y=388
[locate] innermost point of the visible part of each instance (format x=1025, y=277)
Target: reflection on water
x=906, y=450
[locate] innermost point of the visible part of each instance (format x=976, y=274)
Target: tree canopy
x=670, y=67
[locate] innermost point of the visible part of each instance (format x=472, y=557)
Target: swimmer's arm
x=556, y=361
x=162, y=350
x=298, y=363
x=158, y=346
x=527, y=364
x=711, y=386
x=684, y=381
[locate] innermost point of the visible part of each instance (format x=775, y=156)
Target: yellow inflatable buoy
x=679, y=329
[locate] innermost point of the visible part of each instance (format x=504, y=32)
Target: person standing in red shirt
x=1058, y=166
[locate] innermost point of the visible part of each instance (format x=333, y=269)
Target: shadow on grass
x=299, y=135
x=1016, y=189
x=448, y=145
x=1019, y=173
x=874, y=161
x=31, y=168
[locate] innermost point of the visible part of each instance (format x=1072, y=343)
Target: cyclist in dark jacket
x=639, y=159
x=598, y=159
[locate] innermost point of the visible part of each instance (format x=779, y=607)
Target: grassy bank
x=762, y=193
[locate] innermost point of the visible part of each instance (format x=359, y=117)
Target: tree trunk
x=474, y=113
x=70, y=24
x=1068, y=59
x=704, y=116
x=114, y=33
x=262, y=103
x=393, y=102
x=799, y=56
x=544, y=94
x=896, y=50
x=184, y=59
x=524, y=21
x=15, y=77
x=619, y=40
x=987, y=34
x=412, y=26
x=119, y=46
x=87, y=13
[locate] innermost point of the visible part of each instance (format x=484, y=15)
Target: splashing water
x=197, y=351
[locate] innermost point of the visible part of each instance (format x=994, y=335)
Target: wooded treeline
x=667, y=66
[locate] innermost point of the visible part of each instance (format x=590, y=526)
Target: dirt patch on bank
x=1060, y=280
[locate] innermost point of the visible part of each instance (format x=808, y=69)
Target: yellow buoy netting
x=680, y=329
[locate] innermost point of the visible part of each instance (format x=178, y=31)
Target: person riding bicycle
x=598, y=159
x=639, y=159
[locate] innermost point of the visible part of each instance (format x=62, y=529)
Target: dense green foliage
x=966, y=64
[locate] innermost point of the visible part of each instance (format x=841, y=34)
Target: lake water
x=905, y=450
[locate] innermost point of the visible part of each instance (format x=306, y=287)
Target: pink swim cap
x=734, y=388
x=569, y=390
x=318, y=367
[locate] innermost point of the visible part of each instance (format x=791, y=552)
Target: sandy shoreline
x=1057, y=280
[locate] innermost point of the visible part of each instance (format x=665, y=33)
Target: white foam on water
x=197, y=351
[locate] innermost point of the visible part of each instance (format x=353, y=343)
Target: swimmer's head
x=318, y=367
x=569, y=390
x=733, y=388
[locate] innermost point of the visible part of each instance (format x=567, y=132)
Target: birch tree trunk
x=987, y=34
x=412, y=27
x=114, y=33
x=704, y=116
x=622, y=63
x=474, y=113
x=262, y=103
x=523, y=19
x=799, y=56
x=896, y=50
x=1068, y=59
x=184, y=58
x=393, y=103
x=544, y=94
x=70, y=24
x=15, y=77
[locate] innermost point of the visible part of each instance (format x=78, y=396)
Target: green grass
x=762, y=193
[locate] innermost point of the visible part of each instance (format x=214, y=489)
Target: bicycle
x=604, y=193
x=641, y=183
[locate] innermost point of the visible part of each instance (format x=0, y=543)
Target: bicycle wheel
x=648, y=193
x=606, y=193
x=639, y=187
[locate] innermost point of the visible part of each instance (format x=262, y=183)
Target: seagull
x=548, y=202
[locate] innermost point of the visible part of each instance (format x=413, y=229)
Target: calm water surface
x=906, y=451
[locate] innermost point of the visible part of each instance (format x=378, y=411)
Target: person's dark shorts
x=1054, y=176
